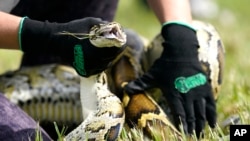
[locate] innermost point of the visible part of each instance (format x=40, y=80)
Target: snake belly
x=103, y=121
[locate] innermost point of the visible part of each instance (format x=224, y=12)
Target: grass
x=38, y=136
x=232, y=23
x=10, y=60
x=61, y=133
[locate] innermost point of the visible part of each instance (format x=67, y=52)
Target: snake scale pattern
x=96, y=107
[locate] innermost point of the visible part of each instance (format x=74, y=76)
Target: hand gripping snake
x=51, y=92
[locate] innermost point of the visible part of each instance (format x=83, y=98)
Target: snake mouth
x=108, y=35
x=114, y=33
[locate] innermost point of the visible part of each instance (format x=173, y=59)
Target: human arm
x=179, y=59
x=9, y=25
x=171, y=10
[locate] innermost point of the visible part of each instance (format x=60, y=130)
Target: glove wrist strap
x=20, y=33
x=179, y=23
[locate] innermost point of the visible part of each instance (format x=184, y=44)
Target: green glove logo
x=184, y=84
x=79, y=60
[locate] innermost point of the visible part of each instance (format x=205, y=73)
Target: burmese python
x=51, y=92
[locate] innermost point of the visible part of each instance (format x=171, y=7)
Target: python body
x=51, y=92
x=101, y=122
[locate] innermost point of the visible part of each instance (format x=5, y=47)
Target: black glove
x=179, y=75
x=42, y=37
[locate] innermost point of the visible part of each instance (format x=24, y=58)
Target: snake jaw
x=108, y=35
x=102, y=35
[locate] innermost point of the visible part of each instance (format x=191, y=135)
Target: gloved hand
x=42, y=37
x=179, y=75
